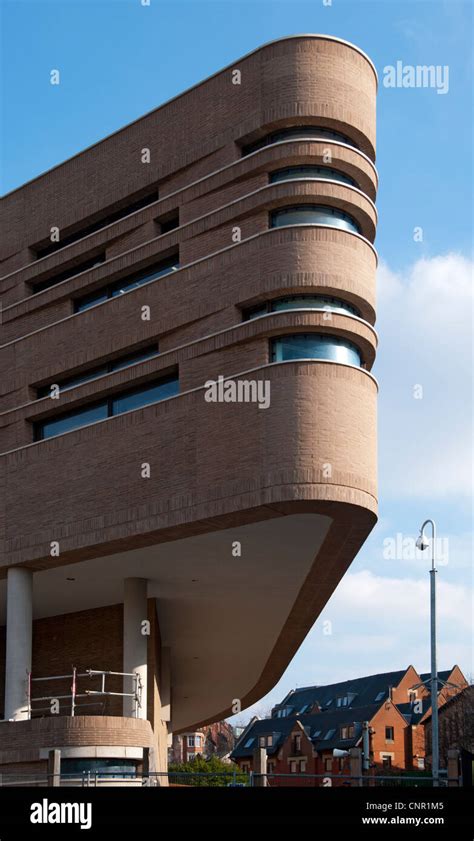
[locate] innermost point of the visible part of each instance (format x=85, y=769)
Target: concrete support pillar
x=165, y=684
x=135, y=613
x=19, y=640
x=355, y=762
x=54, y=767
x=453, y=767
x=260, y=767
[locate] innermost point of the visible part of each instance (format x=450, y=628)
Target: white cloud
x=379, y=624
x=380, y=610
x=425, y=327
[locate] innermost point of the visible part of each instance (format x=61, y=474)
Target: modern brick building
x=227, y=234
x=314, y=721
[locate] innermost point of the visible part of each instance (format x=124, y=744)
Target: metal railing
x=73, y=695
x=233, y=777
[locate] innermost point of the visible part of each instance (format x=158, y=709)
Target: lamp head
x=422, y=542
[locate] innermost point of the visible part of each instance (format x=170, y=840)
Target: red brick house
x=312, y=722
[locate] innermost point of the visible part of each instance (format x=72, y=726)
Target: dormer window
x=347, y=731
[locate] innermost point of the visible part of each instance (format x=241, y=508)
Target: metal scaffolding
x=73, y=695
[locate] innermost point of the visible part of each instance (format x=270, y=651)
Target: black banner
x=90, y=812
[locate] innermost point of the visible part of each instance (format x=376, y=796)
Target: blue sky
x=119, y=60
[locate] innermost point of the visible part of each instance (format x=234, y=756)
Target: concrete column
x=165, y=684
x=453, y=767
x=19, y=640
x=135, y=612
x=54, y=767
x=260, y=767
x=355, y=764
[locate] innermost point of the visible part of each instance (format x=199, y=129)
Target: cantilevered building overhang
x=227, y=234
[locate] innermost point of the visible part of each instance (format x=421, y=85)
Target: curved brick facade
x=216, y=469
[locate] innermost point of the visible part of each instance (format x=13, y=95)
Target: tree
x=205, y=772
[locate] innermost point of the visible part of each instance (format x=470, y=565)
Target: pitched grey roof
x=317, y=727
x=361, y=691
x=409, y=713
x=442, y=675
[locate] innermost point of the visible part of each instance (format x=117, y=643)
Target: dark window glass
x=74, y=420
x=315, y=346
x=318, y=302
x=90, y=301
x=169, y=224
x=312, y=214
x=111, y=767
x=73, y=270
x=162, y=268
x=311, y=172
x=107, y=368
x=295, y=133
x=132, y=358
x=131, y=399
x=96, y=226
x=145, y=395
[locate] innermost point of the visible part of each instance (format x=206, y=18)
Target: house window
x=245, y=767
x=389, y=734
x=190, y=741
x=297, y=133
x=271, y=767
x=269, y=741
x=107, y=219
x=421, y=763
x=164, y=267
x=303, y=766
x=316, y=346
x=297, y=743
x=249, y=742
x=124, y=401
x=380, y=696
x=310, y=302
x=169, y=222
x=67, y=273
x=330, y=733
x=293, y=767
x=412, y=693
x=347, y=731
x=311, y=171
x=262, y=741
x=99, y=371
x=386, y=761
x=198, y=741
x=309, y=214
x=328, y=764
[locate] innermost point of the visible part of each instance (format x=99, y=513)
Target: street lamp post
x=423, y=543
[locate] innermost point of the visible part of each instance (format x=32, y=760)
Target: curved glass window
x=315, y=346
x=313, y=214
x=122, y=768
x=316, y=302
x=296, y=133
x=311, y=172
